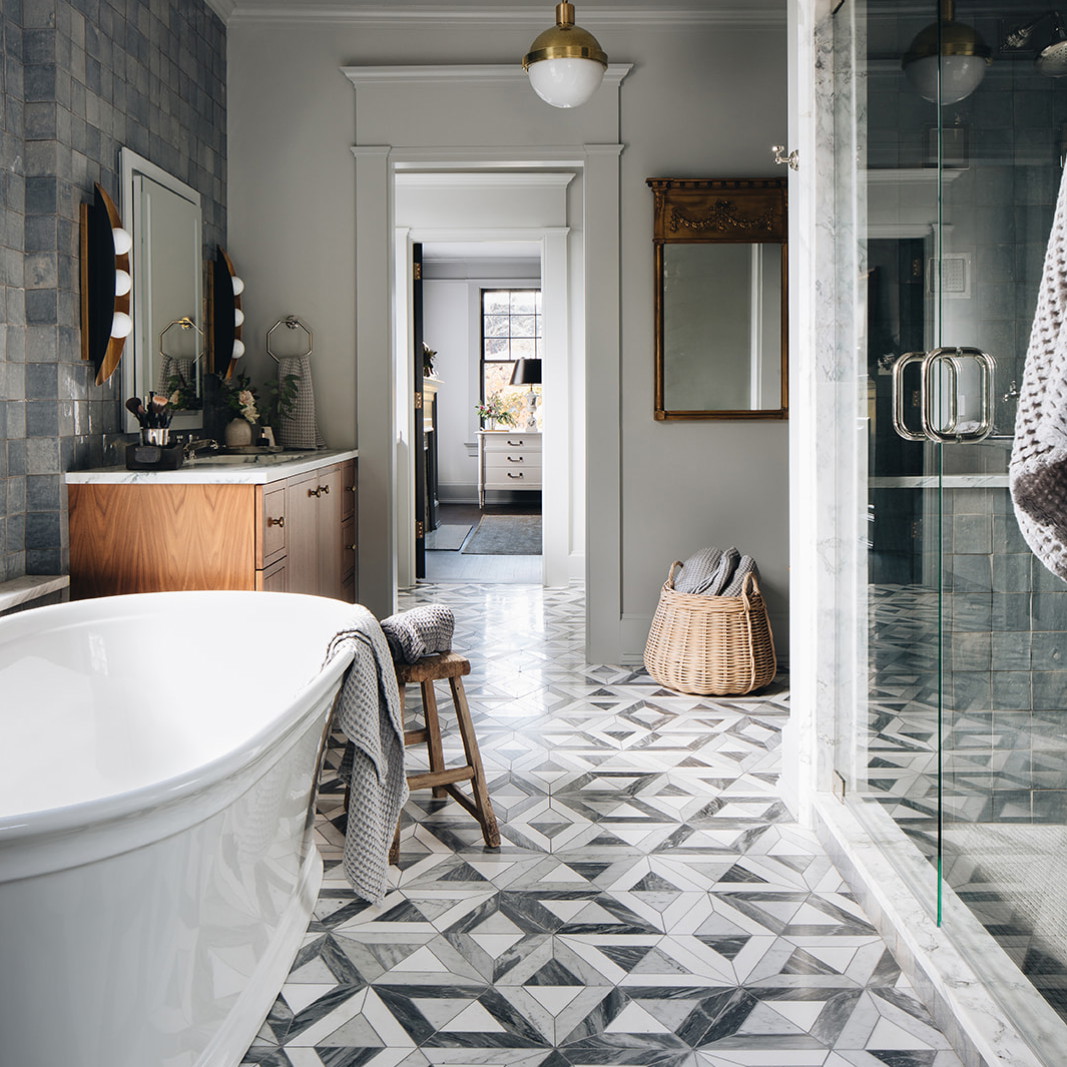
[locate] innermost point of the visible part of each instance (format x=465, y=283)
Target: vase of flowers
x=239, y=398
x=493, y=412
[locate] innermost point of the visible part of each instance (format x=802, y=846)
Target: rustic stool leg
x=433, y=734
x=394, y=848
x=486, y=817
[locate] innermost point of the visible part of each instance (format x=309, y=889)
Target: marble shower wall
x=81, y=79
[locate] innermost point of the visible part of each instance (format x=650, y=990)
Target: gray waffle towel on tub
x=713, y=572
x=368, y=711
x=421, y=631
x=1038, y=468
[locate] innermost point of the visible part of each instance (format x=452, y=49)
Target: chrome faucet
x=199, y=444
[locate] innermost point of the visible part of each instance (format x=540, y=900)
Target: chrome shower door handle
x=899, y=423
x=953, y=360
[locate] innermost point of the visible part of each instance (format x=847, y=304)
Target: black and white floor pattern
x=653, y=902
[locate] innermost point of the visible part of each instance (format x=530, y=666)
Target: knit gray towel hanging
x=1038, y=468
x=301, y=428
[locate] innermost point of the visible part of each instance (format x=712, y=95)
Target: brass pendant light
x=565, y=63
x=951, y=48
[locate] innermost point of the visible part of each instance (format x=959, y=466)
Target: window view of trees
x=511, y=330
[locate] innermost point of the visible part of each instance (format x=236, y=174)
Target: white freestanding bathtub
x=158, y=764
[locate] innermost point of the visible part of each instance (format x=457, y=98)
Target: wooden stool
x=440, y=778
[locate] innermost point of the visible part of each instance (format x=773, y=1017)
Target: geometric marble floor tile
x=652, y=901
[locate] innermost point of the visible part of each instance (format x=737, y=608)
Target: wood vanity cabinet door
x=348, y=531
x=272, y=540
x=328, y=530
x=142, y=538
x=301, y=520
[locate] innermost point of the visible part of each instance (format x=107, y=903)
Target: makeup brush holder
x=154, y=457
x=155, y=435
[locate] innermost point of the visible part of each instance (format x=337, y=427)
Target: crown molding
x=757, y=13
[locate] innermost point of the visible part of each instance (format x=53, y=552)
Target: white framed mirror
x=163, y=215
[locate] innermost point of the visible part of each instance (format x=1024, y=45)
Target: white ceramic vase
x=238, y=433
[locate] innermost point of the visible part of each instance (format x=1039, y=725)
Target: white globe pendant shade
x=960, y=76
x=949, y=48
x=566, y=82
x=565, y=63
x=238, y=285
x=123, y=282
x=238, y=349
x=238, y=317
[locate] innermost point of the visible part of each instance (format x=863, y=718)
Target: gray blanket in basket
x=713, y=572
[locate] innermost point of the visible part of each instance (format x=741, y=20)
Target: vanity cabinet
x=508, y=460
x=289, y=534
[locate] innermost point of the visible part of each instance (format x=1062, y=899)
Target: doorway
x=502, y=306
x=482, y=344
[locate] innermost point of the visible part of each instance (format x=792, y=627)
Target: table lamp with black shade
x=528, y=372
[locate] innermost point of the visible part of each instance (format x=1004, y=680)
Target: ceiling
x=440, y=12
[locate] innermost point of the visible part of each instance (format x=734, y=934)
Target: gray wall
x=703, y=100
x=80, y=80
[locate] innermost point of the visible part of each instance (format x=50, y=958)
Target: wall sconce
x=948, y=56
x=105, y=284
x=528, y=372
x=565, y=63
x=227, y=315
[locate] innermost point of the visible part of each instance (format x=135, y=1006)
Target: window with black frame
x=511, y=331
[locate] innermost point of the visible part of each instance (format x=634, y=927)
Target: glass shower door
x=966, y=746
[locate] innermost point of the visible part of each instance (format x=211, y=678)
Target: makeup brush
x=135, y=406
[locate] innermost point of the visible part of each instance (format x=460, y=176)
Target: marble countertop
x=243, y=470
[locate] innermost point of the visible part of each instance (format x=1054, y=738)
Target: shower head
x=1052, y=60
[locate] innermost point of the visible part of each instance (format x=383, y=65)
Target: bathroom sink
x=265, y=459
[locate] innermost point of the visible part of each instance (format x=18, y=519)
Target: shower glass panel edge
x=961, y=737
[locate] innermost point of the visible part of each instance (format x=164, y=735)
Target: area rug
x=505, y=535
x=447, y=538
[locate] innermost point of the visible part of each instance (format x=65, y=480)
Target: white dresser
x=508, y=461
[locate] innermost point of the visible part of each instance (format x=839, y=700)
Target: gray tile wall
x=1006, y=657
x=80, y=80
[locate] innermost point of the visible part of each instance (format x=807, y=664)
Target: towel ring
x=184, y=323
x=293, y=323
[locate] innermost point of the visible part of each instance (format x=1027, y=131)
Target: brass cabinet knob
x=280, y=521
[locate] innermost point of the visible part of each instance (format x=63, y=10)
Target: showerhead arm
x=1020, y=36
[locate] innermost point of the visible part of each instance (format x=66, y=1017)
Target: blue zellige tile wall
x=79, y=81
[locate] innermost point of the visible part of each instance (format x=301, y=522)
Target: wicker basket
x=711, y=645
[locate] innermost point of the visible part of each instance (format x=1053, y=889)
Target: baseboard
x=457, y=493
x=633, y=633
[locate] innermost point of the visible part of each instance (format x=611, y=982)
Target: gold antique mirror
x=721, y=298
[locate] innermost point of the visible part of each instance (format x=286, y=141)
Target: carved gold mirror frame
x=721, y=298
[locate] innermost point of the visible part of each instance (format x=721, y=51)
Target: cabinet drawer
x=498, y=462
x=271, y=537
x=505, y=442
x=530, y=478
x=273, y=579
